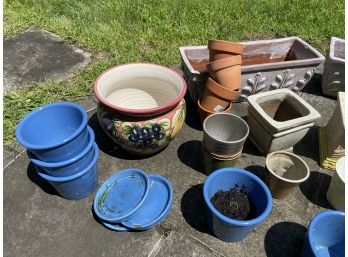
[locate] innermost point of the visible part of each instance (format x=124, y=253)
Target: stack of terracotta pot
x=223, y=85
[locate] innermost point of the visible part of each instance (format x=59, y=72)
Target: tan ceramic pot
x=203, y=113
x=285, y=171
x=227, y=72
x=216, y=97
x=219, y=49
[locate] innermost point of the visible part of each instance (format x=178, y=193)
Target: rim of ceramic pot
x=19, y=130
x=72, y=160
x=282, y=178
x=211, y=113
x=90, y=166
x=229, y=114
x=220, y=45
x=224, y=63
x=243, y=223
x=147, y=111
x=315, y=221
x=222, y=157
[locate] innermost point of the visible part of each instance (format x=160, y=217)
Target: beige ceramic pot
x=227, y=72
x=141, y=106
x=204, y=113
x=216, y=97
x=219, y=49
x=285, y=171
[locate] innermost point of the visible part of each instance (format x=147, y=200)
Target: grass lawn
x=152, y=31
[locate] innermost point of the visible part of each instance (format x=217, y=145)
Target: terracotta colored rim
x=226, y=46
x=205, y=110
x=148, y=111
x=225, y=62
x=222, y=91
x=282, y=178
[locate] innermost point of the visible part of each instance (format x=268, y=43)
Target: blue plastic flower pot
x=54, y=132
x=325, y=236
x=71, y=166
x=76, y=186
x=225, y=228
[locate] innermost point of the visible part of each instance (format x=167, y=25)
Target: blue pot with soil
x=237, y=201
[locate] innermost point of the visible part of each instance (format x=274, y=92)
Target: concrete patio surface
x=35, y=55
x=38, y=222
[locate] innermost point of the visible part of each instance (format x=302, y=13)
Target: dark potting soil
x=234, y=204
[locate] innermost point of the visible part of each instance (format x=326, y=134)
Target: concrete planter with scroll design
x=266, y=65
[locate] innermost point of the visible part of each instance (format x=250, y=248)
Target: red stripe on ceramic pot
x=140, y=89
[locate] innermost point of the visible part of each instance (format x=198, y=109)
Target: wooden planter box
x=266, y=65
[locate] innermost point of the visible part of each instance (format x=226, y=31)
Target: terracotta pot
x=266, y=65
x=219, y=49
x=216, y=97
x=285, y=171
x=141, y=106
x=227, y=72
x=203, y=113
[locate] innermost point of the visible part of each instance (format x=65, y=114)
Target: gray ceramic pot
x=224, y=134
x=212, y=162
x=285, y=171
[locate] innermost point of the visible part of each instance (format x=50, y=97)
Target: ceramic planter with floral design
x=141, y=106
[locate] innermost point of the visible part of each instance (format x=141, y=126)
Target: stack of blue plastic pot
x=61, y=146
x=133, y=200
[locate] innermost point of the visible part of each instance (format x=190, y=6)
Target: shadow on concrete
x=315, y=188
x=193, y=209
x=107, y=145
x=256, y=170
x=284, y=239
x=42, y=183
x=314, y=85
x=250, y=148
x=309, y=144
x=190, y=153
x=192, y=117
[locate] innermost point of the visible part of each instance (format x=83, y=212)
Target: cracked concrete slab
x=35, y=56
x=178, y=245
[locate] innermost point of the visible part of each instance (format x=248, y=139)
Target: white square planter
x=278, y=119
x=334, y=74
